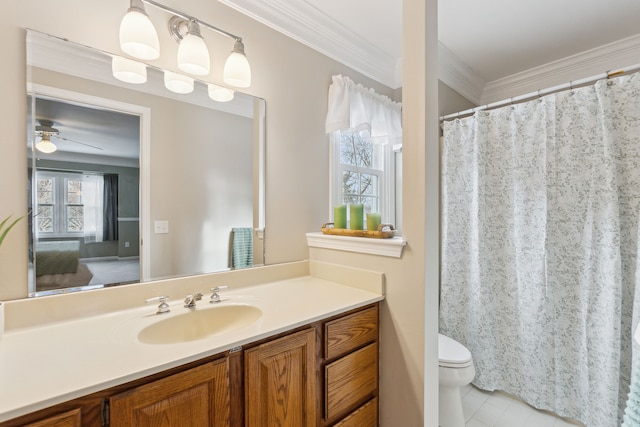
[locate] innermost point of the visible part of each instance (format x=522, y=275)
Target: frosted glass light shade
x=45, y=145
x=177, y=82
x=220, y=94
x=138, y=36
x=237, y=71
x=128, y=71
x=193, y=55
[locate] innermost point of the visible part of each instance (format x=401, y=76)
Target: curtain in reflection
x=92, y=210
x=110, y=207
x=540, y=207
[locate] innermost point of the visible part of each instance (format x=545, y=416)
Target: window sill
x=386, y=247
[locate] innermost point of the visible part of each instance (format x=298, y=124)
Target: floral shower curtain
x=540, y=204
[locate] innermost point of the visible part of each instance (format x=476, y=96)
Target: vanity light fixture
x=177, y=82
x=219, y=93
x=237, y=71
x=138, y=36
x=128, y=70
x=193, y=54
x=45, y=145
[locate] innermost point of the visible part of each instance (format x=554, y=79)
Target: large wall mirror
x=133, y=182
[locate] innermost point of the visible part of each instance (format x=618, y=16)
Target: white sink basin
x=199, y=323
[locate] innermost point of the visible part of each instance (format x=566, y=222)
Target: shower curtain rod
x=541, y=92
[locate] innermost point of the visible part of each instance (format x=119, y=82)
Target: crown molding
x=306, y=24
x=456, y=74
x=303, y=22
x=609, y=57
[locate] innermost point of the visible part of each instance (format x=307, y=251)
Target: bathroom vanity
x=309, y=359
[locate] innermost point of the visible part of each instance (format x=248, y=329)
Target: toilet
x=455, y=370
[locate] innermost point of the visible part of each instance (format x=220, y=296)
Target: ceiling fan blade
x=78, y=142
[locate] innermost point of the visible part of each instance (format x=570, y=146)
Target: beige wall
x=409, y=353
x=450, y=101
x=294, y=81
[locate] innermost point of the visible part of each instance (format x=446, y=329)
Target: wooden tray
x=384, y=231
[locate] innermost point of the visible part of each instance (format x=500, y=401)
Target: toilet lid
x=451, y=353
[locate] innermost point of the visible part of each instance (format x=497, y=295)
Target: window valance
x=352, y=106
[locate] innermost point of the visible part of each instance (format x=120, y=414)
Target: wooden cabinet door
x=67, y=419
x=280, y=382
x=197, y=397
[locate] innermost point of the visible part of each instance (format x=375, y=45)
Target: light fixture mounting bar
x=191, y=18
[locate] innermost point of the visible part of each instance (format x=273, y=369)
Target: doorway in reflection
x=84, y=192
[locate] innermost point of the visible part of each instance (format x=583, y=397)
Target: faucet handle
x=215, y=297
x=163, y=307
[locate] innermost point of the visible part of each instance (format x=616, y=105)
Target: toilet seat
x=452, y=354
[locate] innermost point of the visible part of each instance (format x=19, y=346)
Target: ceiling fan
x=46, y=131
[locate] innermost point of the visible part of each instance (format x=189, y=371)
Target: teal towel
x=242, y=247
x=632, y=411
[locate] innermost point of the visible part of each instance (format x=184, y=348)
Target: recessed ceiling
x=483, y=44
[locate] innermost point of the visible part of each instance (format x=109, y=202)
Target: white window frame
x=59, y=203
x=387, y=182
x=92, y=207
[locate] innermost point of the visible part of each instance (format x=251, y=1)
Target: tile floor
x=498, y=409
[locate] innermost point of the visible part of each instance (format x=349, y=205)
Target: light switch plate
x=161, y=227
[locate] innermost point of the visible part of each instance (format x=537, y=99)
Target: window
x=364, y=171
x=361, y=170
x=366, y=141
x=68, y=204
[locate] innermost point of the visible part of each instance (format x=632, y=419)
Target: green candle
x=373, y=221
x=340, y=216
x=357, y=217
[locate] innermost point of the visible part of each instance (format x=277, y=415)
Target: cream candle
x=340, y=216
x=373, y=221
x=356, y=216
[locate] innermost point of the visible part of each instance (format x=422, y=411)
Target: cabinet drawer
x=364, y=416
x=350, y=381
x=350, y=332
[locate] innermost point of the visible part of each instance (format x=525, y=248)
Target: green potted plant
x=5, y=226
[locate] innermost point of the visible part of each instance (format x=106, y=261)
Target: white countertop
x=44, y=365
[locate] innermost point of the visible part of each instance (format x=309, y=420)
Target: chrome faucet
x=190, y=300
